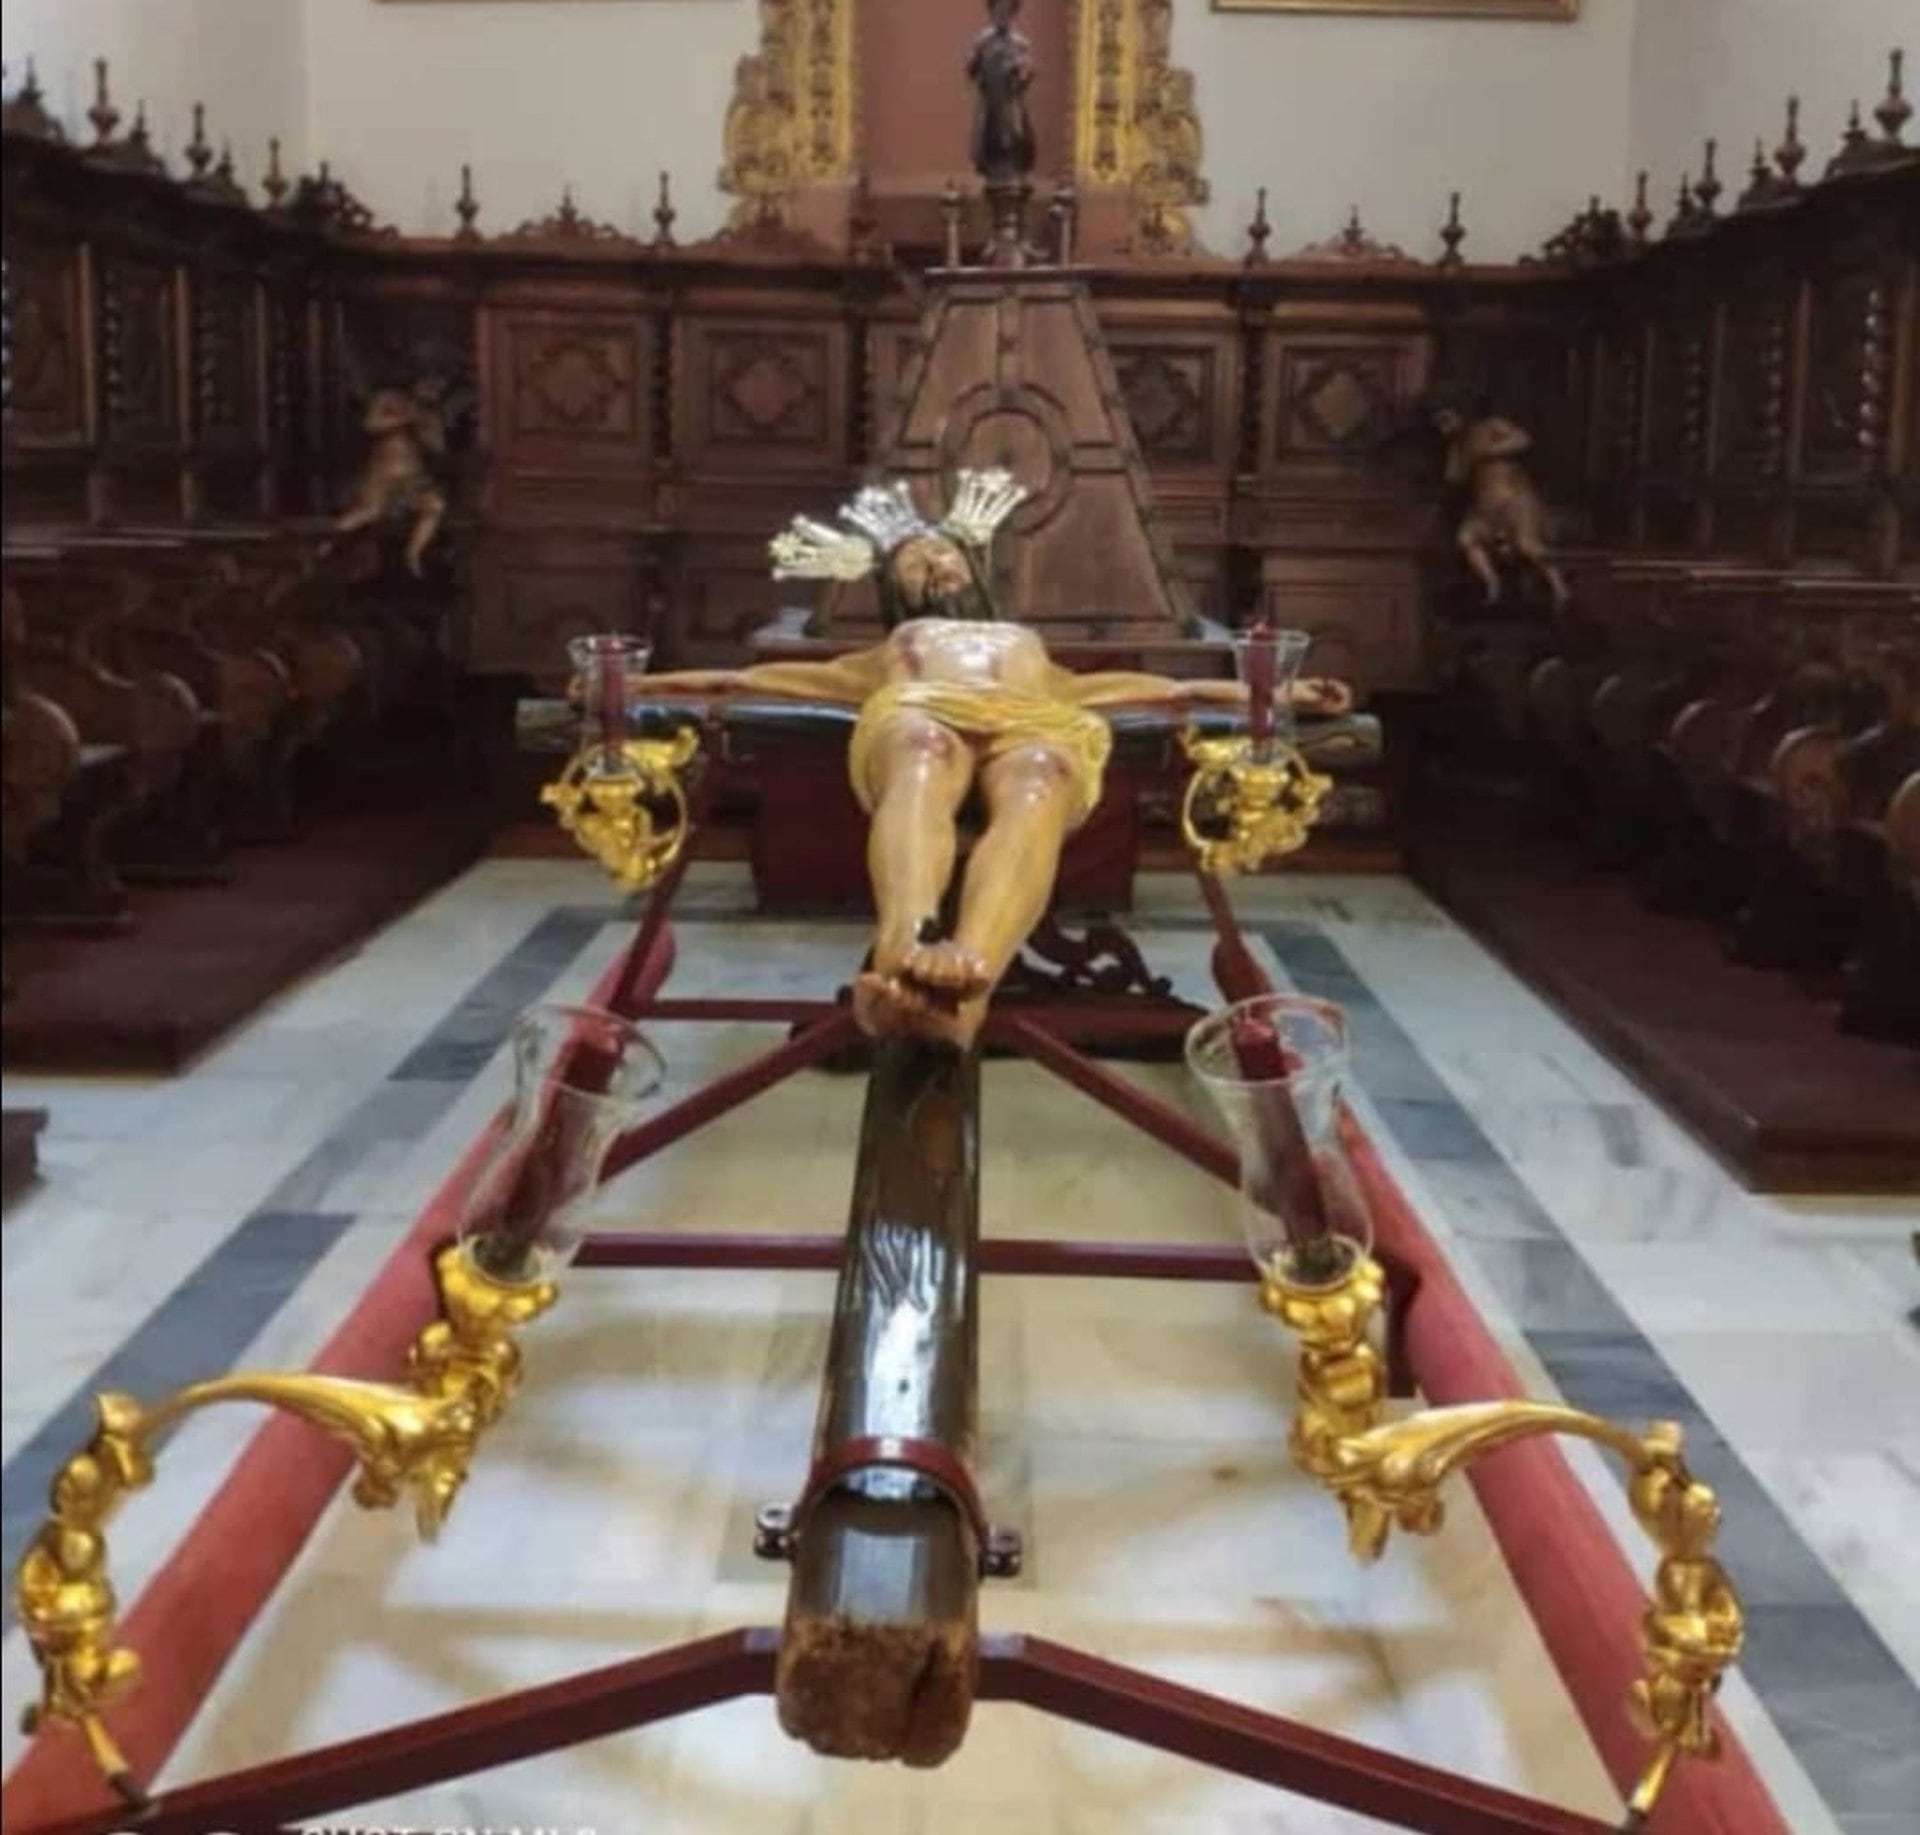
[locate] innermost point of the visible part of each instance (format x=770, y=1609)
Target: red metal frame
x=684, y=1678
x=1054, y=1679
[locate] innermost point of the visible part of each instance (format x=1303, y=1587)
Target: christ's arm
x=846, y=681
x=1133, y=688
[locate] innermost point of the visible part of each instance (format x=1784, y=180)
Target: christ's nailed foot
x=946, y=972
x=891, y=1007
x=886, y=1007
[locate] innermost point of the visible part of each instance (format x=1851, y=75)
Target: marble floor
x=1136, y=1433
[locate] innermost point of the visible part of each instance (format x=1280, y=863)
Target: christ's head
x=933, y=578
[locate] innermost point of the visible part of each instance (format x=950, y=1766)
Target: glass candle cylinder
x=606, y=666
x=581, y=1079
x=1268, y=662
x=1275, y=1067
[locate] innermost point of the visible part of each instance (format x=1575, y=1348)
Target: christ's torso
x=969, y=652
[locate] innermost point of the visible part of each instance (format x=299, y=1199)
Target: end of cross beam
x=880, y=1648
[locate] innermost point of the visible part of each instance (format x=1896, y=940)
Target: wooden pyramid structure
x=1009, y=368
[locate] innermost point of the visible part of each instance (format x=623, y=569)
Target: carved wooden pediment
x=1353, y=243
x=570, y=227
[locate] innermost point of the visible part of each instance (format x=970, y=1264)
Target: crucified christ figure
x=954, y=701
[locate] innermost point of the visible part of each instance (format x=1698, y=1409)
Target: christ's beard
x=957, y=602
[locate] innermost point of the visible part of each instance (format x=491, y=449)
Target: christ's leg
x=1032, y=797
x=921, y=773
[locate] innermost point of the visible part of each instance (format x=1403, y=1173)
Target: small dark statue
x=1000, y=68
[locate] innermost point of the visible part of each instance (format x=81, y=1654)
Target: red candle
x=613, y=698
x=1293, y=1191
x=1260, y=660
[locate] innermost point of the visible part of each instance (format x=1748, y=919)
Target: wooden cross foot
x=879, y=1656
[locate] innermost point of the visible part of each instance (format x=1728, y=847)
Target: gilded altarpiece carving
x=797, y=121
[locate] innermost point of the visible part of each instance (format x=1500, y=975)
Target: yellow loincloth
x=995, y=721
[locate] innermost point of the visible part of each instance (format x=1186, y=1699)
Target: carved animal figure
x=1505, y=513
x=409, y=430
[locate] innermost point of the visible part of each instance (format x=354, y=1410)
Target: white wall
x=243, y=58
x=1525, y=118
x=534, y=94
x=1726, y=67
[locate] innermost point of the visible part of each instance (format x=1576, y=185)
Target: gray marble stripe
x=1841, y=1699
x=206, y=1323
x=456, y=1049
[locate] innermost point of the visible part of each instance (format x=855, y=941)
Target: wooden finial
x=1684, y=208
x=1790, y=153
x=664, y=213
x=224, y=169
x=950, y=222
x=467, y=208
x=26, y=112
x=1709, y=187
x=275, y=182
x=1894, y=110
x=1640, y=217
x=104, y=116
x=199, y=153
x=1452, y=233
x=1258, y=231
x=1062, y=213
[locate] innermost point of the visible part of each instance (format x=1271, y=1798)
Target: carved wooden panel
x=225, y=360
x=1678, y=380
x=138, y=352
x=763, y=394
x=1619, y=400
x=1847, y=373
x=529, y=599
x=1363, y=613
x=1751, y=423
x=890, y=349
x=1334, y=401
x=45, y=344
x=579, y=380
x=767, y=390
x=1171, y=394
x=727, y=595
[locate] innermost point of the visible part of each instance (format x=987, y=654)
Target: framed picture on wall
x=1424, y=9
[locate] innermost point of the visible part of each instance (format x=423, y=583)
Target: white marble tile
x=1860, y=1511
x=1750, y=1287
